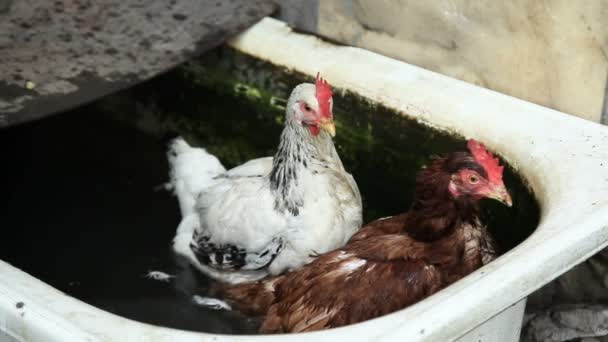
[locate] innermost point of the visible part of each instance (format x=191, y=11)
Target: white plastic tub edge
x=563, y=158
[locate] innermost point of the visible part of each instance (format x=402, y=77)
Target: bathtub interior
x=90, y=216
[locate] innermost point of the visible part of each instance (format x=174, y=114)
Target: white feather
x=192, y=170
x=211, y=303
x=350, y=266
x=160, y=276
x=238, y=206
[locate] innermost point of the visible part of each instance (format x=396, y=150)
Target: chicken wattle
x=390, y=263
x=268, y=215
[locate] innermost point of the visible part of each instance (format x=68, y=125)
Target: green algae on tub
x=104, y=219
x=234, y=105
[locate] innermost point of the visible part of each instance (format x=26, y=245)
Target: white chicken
x=268, y=215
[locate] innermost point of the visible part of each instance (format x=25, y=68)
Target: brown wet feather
x=389, y=264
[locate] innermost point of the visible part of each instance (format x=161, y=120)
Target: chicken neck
x=435, y=213
x=299, y=152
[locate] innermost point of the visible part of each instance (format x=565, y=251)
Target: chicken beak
x=500, y=194
x=329, y=127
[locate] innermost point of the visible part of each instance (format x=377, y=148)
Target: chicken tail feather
x=192, y=169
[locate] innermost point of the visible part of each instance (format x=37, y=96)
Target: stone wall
x=553, y=52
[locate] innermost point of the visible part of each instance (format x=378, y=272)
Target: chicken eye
x=307, y=107
x=473, y=179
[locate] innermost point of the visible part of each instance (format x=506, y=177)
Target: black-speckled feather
x=233, y=257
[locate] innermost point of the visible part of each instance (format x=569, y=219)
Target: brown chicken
x=390, y=263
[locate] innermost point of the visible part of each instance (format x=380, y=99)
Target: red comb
x=487, y=160
x=323, y=94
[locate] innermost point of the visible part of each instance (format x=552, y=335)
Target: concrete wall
x=551, y=52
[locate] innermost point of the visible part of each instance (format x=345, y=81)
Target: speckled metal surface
x=55, y=55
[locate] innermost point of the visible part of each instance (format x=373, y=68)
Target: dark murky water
x=86, y=211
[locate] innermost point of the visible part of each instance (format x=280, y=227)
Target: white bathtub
x=561, y=156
